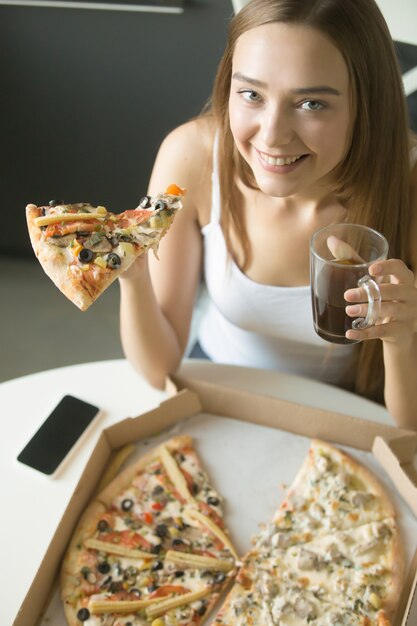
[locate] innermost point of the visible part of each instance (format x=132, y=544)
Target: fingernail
x=354, y=294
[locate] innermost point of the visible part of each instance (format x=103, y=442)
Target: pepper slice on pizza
x=152, y=548
x=83, y=248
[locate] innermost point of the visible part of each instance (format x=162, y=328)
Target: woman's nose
x=277, y=127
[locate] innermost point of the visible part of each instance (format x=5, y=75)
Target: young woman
x=307, y=126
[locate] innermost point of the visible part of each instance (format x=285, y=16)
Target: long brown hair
x=373, y=180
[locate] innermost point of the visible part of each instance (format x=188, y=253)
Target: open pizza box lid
x=394, y=448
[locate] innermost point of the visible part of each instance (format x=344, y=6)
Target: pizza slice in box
x=358, y=570
x=332, y=555
x=331, y=492
x=152, y=548
x=83, y=249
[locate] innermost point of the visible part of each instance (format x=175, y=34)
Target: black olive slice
x=86, y=255
x=127, y=504
x=160, y=205
x=145, y=203
x=113, y=261
x=104, y=567
x=102, y=526
x=83, y=615
x=161, y=530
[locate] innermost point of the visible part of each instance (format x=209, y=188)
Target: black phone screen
x=57, y=435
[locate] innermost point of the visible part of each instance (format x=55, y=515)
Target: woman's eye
x=312, y=105
x=249, y=95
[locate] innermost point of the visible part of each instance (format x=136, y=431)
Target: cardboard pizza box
x=393, y=447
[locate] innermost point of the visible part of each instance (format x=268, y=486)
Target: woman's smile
x=282, y=164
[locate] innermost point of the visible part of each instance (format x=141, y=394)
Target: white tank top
x=255, y=325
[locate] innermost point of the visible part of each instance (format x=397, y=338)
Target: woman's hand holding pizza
x=398, y=318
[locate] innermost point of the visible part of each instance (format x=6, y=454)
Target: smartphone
x=58, y=434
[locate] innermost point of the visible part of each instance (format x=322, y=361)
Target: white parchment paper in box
x=251, y=466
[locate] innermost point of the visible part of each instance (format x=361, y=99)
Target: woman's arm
x=157, y=296
x=398, y=328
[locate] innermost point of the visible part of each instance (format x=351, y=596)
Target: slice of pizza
x=332, y=491
x=359, y=570
x=83, y=249
x=152, y=546
x=247, y=605
x=334, y=542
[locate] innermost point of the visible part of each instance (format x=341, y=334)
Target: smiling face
x=289, y=108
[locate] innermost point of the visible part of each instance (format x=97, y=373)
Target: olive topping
x=156, y=566
x=83, y=615
x=179, y=573
x=219, y=577
x=85, y=572
x=152, y=587
x=201, y=610
x=156, y=549
x=54, y=203
x=213, y=500
x=161, y=530
x=160, y=205
x=135, y=592
x=103, y=526
x=127, y=504
x=107, y=581
x=104, y=567
x=85, y=256
x=145, y=203
x=113, y=261
x=178, y=542
x=157, y=490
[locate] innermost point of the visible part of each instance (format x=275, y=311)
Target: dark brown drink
x=329, y=306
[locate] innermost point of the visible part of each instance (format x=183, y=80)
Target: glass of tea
x=340, y=256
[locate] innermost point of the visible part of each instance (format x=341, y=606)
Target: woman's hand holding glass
x=397, y=322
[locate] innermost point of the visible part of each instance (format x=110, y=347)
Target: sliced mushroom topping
x=304, y=609
x=322, y=463
x=333, y=553
x=360, y=499
x=281, y=540
x=382, y=530
x=279, y=607
x=98, y=243
x=318, y=591
x=316, y=511
x=308, y=560
x=343, y=480
x=61, y=242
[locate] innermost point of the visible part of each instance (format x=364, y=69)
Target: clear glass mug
x=340, y=256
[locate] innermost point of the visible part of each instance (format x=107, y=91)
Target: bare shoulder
x=185, y=157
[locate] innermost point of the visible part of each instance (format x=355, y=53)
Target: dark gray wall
x=87, y=96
